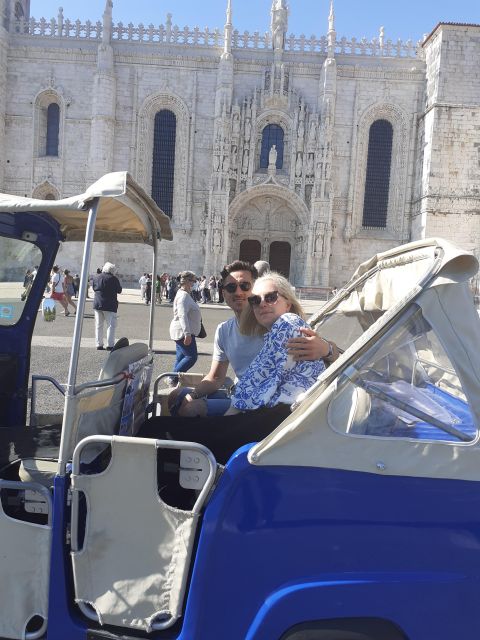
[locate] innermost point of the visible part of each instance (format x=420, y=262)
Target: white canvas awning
x=125, y=214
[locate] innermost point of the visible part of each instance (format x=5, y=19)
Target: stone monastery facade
x=312, y=153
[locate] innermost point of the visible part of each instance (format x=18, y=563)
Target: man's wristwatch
x=194, y=395
x=329, y=356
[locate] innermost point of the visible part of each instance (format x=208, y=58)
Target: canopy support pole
x=154, y=281
x=69, y=407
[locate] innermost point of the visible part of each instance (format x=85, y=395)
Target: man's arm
x=312, y=347
x=213, y=380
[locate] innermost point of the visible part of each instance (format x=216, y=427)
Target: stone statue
x=312, y=134
x=226, y=164
x=217, y=240
x=298, y=165
x=300, y=135
x=279, y=23
x=248, y=129
x=310, y=165
x=236, y=125
x=234, y=156
x=245, y=161
x=272, y=155
x=216, y=162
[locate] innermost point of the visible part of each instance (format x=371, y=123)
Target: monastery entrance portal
x=268, y=222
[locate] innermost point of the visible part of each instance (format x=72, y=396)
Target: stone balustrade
x=173, y=35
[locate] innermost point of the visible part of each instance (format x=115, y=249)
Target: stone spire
x=332, y=35
x=227, y=46
x=279, y=23
x=107, y=22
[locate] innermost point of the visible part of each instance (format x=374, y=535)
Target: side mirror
x=49, y=310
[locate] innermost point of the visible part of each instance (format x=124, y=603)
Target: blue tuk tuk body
x=358, y=518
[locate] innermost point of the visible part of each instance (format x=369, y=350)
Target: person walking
x=148, y=289
x=185, y=325
x=106, y=287
x=69, y=289
x=158, y=290
x=57, y=288
x=212, y=288
x=143, y=285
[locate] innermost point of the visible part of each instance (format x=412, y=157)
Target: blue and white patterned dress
x=274, y=377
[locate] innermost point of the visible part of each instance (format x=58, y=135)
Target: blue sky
x=407, y=19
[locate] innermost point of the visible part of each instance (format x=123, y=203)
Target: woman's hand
x=311, y=347
x=187, y=340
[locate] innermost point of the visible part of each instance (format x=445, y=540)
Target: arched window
x=53, y=125
x=272, y=135
x=163, y=167
x=377, y=181
x=19, y=14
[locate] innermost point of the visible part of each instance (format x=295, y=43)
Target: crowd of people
x=166, y=286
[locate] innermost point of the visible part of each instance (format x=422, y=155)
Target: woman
x=273, y=377
x=69, y=289
x=186, y=324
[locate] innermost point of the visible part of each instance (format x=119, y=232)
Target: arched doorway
x=250, y=250
x=279, y=258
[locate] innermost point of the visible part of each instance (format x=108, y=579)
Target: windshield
x=19, y=261
x=405, y=386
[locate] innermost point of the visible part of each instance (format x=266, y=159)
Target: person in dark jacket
x=106, y=287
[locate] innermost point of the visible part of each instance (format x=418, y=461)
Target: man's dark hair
x=239, y=265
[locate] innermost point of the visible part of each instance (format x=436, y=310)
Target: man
x=105, y=304
x=143, y=285
x=231, y=347
x=57, y=288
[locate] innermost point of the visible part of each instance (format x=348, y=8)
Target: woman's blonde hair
x=248, y=322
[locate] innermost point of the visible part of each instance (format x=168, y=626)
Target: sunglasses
x=269, y=298
x=231, y=287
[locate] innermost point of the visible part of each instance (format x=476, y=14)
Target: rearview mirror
x=49, y=310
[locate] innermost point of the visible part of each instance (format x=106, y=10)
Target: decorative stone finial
x=227, y=39
x=332, y=36
x=107, y=22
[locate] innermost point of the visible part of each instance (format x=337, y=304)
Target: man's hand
x=311, y=347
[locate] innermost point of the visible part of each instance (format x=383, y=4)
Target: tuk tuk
x=355, y=519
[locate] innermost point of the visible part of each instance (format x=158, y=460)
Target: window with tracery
x=163, y=163
x=53, y=129
x=377, y=181
x=272, y=135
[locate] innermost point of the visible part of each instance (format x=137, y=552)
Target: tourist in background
x=185, y=325
x=69, y=289
x=57, y=288
x=106, y=287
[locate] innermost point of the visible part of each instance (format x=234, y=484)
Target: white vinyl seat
x=144, y=589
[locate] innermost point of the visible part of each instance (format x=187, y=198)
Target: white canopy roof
x=125, y=214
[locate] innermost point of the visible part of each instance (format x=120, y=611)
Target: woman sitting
x=273, y=377
x=265, y=392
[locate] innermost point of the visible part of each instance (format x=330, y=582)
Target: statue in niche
x=272, y=155
x=248, y=130
x=310, y=165
x=300, y=135
x=234, y=156
x=217, y=240
x=298, y=165
x=226, y=164
x=312, y=134
x=216, y=163
x=236, y=125
x=245, y=161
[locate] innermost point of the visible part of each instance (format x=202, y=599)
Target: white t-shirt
x=232, y=346
x=57, y=282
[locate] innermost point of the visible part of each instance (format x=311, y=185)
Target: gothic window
x=272, y=135
x=53, y=127
x=163, y=166
x=377, y=182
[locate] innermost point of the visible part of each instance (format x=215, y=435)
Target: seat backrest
x=141, y=590
x=116, y=408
